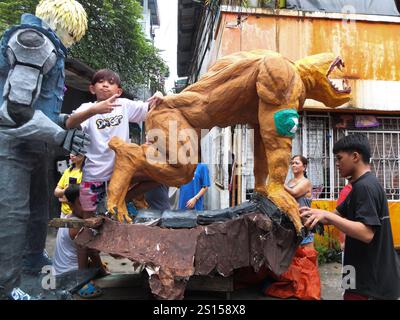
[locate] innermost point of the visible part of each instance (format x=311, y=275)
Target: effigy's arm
x=31, y=55
x=41, y=128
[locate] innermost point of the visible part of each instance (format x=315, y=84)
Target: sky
x=166, y=38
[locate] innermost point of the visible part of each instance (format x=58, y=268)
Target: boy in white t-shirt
x=109, y=116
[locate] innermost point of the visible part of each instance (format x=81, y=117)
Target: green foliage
x=115, y=40
x=11, y=10
x=330, y=253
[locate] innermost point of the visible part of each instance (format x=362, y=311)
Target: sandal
x=89, y=290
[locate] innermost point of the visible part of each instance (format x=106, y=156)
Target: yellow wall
x=332, y=234
x=394, y=212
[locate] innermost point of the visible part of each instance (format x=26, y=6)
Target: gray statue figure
x=32, y=78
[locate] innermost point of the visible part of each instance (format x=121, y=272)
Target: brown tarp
x=176, y=254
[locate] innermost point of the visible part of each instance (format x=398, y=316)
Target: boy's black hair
x=106, y=74
x=357, y=142
x=72, y=192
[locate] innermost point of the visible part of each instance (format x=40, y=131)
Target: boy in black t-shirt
x=371, y=268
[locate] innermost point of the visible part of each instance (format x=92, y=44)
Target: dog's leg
x=280, y=94
x=278, y=150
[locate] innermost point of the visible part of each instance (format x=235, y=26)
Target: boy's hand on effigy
x=155, y=100
x=106, y=106
x=311, y=216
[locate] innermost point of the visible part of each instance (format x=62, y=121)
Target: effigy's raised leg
x=127, y=159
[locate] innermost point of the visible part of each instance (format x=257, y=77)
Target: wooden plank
x=76, y=223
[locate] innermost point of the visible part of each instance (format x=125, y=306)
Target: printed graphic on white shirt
x=109, y=122
x=101, y=128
